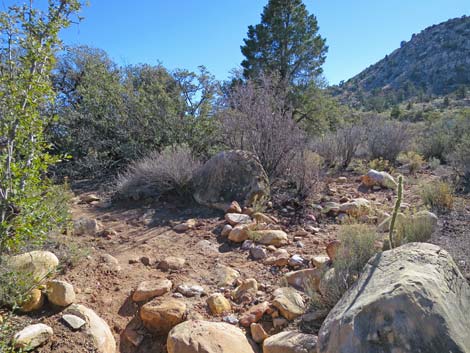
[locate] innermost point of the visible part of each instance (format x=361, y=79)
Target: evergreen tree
x=285, y=43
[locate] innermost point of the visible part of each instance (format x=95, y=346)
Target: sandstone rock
x=331, y=208
x=111, y=262
x=409, y=299
x=332, y=248
x=161, y=316
x=279, y=322
x=320, y=261
x=38, y=264
x=258, y=333
x=376, y=178
x=60, y=293
x=150, y=289
x=86, y=226
x=289, y=303
x=240, y=233
x=95, y=327
x=279, y=258
x=73, y=321
x=218, y=304
x=229, y=176
x=304, y=280
x=225, y=276
x=172, y=263
x=254, y=314
x=237, y=218
x=248, y=286
x=226, y=230
x=34, y=301
x=290, y=342
x=258, y=253
x=89, y=198
x=356, y=208
x=269, y=237
x=32, y=336
x=342, y=180
x=207, y=337
x=234, y=208
x=183, y=227
x=262, y=218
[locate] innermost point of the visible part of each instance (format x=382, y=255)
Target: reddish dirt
x=146, y=230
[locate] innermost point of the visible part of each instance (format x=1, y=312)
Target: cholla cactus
x=395, y=211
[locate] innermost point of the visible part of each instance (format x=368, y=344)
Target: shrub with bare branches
x=170, y=170
x=258, y=119
x=387, y=138
x=305, y=172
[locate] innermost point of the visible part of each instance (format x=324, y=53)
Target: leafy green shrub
x=414, y=161
x=438, y=195
x=358, y=245
x=170, y=170
x=434, y=163
x=381, y=164
x=413, y=229
x=14, y=286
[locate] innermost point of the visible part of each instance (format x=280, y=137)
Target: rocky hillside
x=434, y=62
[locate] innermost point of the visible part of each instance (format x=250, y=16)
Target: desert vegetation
x=171, y=203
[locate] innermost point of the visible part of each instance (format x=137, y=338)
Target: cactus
x=395, y=211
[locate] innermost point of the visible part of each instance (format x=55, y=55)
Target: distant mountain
x=433, y=63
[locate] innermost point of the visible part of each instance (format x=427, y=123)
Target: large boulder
x=37, y=264
x=409, y=299
x=96, y=328
x=376, y=178
x=229, y=176
x=207, y=337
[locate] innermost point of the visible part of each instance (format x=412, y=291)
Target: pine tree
x=285, y=43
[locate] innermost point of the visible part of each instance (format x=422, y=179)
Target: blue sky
x=189, y=33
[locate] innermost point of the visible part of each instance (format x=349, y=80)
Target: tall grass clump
x=438, y=196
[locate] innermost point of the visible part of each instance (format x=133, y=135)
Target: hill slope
x=434, y=62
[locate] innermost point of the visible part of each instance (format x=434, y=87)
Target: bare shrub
x=460, y=160
x=412, y=160
x=387, y=138
x=160, y=172
x=339, y=147
x=305, y=173
x=258, y=119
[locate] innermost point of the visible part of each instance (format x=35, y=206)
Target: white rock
x=32, y=336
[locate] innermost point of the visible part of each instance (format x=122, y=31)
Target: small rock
x=290, y=342
x=342, y=180
x=258, y=253
x=296, y=261
x=269, y=237
x=262, y=218
x=279, y=322
x=145, y=260
x=225, y=276
x=234, y=208
x=89, y=198
x=289, y=303
x=258, y=333
x=237, y=218
x=247, y=245
x=133, y=336
x=271, y=248
x=332, y=248
x=86, y=226
x=279, y=258
x=60, y=293
x=230, y=319
x=319, y=261
x=254, y=314
x=73, y=321
x=32, y=336
x=226, y=230
x=150, y=289
x=299, y=244
x=248, y=286
x=172, y=263
x=190, y=290
x=161, y=316
x=218, y=304
x=376, y=178
x=240, y=233
x=35, y=301
x=304, y=280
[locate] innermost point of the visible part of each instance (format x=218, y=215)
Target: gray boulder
x=230, y=176
x=409, y=299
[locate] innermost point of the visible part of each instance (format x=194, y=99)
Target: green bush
x=438, y=196
x=411, y=229
x=414, y=161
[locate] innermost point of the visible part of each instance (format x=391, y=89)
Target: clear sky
x=189, y=33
